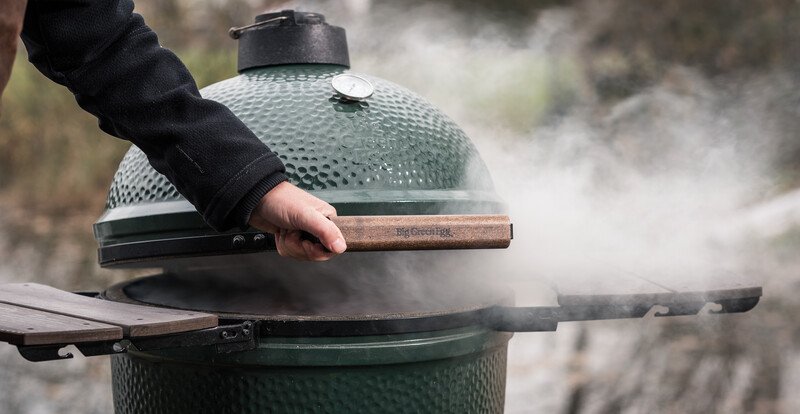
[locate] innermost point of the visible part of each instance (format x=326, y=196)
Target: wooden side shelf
x=34, y=314
x=41, y=320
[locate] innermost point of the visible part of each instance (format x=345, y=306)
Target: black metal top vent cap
x=290, y=37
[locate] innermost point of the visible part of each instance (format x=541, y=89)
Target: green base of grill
x=454, y=371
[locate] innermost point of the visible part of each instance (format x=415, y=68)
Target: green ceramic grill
x=391, y=153
x=376, y=332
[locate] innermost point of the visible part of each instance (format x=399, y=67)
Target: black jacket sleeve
x=106, y=55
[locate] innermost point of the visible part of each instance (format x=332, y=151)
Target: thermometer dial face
x=352, y=87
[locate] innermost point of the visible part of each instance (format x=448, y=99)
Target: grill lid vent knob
x=289, y=37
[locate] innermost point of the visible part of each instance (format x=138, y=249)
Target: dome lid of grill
x=392, y=153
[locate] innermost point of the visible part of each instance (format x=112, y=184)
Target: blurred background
x=685, y=112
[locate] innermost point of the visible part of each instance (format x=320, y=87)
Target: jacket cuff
x=241, y=214
x=223, y=212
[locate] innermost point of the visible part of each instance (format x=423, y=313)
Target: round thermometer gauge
x=352, y=87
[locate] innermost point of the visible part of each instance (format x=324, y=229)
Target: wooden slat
x=24, y=326
x=135, y=320
x=700, y=282
x=605, y=287
x=376, y=233
x=674, y=285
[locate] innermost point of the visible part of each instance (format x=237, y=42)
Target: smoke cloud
x=656, y=183
x=602, y=193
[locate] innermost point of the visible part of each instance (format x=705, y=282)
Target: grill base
x=457, y=371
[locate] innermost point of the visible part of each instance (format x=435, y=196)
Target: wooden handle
x=377, y=233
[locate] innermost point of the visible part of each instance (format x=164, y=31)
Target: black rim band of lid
x=289, y=37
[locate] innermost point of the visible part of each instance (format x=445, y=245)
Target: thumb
x=314, y=222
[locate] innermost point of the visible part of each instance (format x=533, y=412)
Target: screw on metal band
x=239, y=241
x=235, y=32
x=259, y=240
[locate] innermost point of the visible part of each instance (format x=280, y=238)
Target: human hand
x=286, y=211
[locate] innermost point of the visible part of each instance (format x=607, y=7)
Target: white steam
x=652, y=187
x=653, y=184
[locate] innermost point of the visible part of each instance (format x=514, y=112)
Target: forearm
x=141, y=92
x=10, y=26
